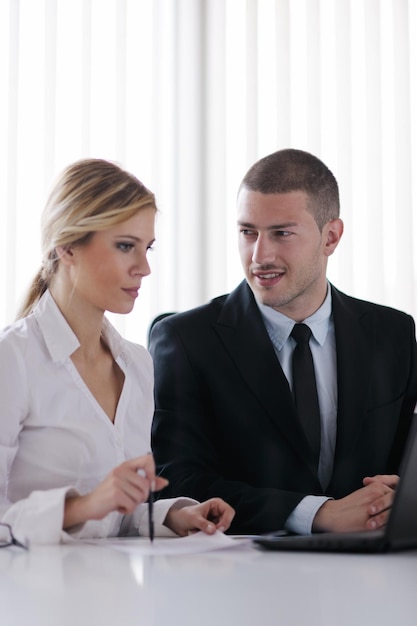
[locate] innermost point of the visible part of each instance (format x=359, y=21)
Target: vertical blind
x=187, y=94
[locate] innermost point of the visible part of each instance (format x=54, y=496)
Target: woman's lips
x=133, y=293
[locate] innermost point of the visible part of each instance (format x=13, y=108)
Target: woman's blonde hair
x=88, y=196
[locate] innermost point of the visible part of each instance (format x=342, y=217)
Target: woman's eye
x=124, y=246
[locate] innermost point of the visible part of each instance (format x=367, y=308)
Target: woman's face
x=107, y=272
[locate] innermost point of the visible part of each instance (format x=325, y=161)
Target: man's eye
x=282, y=233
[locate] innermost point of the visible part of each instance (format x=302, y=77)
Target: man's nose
x=264, y=250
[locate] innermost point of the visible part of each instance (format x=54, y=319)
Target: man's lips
x=268, y=275
x=268, y=278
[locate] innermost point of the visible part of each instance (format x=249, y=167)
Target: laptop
x=400, y=533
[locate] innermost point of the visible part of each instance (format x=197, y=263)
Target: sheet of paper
x=192, y=544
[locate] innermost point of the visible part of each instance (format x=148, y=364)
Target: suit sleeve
x=408, y=407
x=191, y=441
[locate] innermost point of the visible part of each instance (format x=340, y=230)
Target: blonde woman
x=76, y=399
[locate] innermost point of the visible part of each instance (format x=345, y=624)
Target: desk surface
x=76, y=585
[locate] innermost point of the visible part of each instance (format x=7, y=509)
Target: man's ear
x=332, y=232
x=65, y=254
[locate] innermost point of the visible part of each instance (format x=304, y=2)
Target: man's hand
x=365, y=509
x=390, y=480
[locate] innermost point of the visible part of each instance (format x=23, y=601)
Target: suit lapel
x=256, y=360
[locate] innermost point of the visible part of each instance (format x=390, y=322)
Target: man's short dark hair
x=296, y=170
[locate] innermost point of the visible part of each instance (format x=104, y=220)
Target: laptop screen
x=402, y=525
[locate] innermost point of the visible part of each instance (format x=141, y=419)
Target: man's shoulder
x=362, y=307
x=210, y=311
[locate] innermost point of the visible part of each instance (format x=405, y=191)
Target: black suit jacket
x=225, y=423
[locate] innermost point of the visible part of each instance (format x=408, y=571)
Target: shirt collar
x=59, y=337
x=279, y=326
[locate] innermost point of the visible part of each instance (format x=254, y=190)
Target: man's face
x=283, y=253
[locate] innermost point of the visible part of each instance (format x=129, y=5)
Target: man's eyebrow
x=271, y=227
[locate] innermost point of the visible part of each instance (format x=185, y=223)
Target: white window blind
x=187, y=94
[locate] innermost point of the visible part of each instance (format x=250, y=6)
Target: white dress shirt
x=56, y=440
x=323, y=349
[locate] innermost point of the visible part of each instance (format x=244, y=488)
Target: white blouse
x=55, y=439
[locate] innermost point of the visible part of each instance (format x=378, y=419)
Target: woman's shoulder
x=16, y=335
x=18, y=348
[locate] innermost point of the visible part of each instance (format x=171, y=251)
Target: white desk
x=99, y=586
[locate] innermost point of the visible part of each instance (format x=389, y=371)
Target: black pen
x=150, y=514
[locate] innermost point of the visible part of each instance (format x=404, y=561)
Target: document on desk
x=192, y=544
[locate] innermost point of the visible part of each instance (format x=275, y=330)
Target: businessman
x=287, y=398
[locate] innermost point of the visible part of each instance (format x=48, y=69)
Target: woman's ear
x=65, y=254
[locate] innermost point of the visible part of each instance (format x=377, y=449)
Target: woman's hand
x=126, y=487
x=214, y=514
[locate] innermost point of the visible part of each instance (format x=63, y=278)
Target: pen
x=150, y=503
x=150, y=514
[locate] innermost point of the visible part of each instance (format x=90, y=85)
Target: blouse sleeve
x=37, y=518
x=161, y=508
x=14, y=402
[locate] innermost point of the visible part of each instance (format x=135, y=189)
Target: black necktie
x=304, y=387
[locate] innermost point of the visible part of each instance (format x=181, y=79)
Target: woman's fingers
x=123, y=489
x=219, y=512
x=160, y=483
x=209, y=516
x=131, y=482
